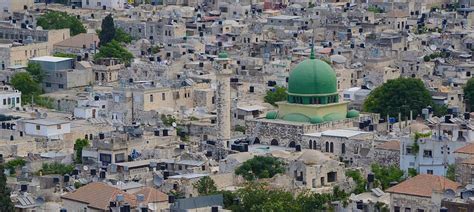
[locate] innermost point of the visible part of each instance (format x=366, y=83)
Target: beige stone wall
x=285, y=108
x=21, y=54
x=412, y=202
x=164, y=98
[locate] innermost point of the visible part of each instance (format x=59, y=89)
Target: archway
x=310, y=144
x=343, y=148
x=314, y=145
x=292, y=144
x=256, y=141
x=327, y=146
x=274, y=142
x=332, y=147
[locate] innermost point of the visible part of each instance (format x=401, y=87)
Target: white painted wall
x=10, y=99
x=50, y=131
x=97, y=4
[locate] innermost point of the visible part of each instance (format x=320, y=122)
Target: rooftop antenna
x=312, y=49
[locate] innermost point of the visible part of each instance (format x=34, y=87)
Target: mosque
x=313, y=105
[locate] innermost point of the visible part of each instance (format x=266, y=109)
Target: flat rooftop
x=51, y=59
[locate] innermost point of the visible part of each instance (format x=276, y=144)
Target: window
x=407, y=209
x=4, y=101
x=61, y=86
x=163, y=96
x=58, y=126
x=120, y=158
x=409, y=150
x=420, y=210
x=38, y=127
x=18, y=100
x=48, y=85
x=396, y=209
x=151, y=97
x=429, y=171
x=427, y=154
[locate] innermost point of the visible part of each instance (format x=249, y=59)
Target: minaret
x=222, y=66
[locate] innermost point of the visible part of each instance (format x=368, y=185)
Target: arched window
x=343, y=148
x=256, y=141
x=292, y=144
x=327, y=146
x=332, y=147
x=310, y=144
x=274, y=142
x=314, y=145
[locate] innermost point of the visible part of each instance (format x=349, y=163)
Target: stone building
x=313, y=105
x=313, y=169
x=422, y=192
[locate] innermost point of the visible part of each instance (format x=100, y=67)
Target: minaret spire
x=312, y=50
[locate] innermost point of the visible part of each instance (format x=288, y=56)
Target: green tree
x=360, y=181
x=61, y=20
x=12, y=165
x=114, y=50
x=78, y=146
x=386, y=174
x=279, y=94
x=66, y=55
x=5, y=201
x=398, y=95
x=260, y=167
x=107, y=34
x=205, y=186
x=122, y=37
x=412, y=172
x=451, y=172
x=36, y=72
x=25, y=83
x=469, y=93
x=56, y=168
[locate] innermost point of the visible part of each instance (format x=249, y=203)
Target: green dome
x=316, y=120
x=296, y=117
x=271, y=115
x=333, y=117
x=352, y=113
x=223, y=55
x=312, y=76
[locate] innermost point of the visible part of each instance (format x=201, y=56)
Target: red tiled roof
x=389, y=145
x=152, y=195
x=423, y=185
x=99, y=195
x=468, y=149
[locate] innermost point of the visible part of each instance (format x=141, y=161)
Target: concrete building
x=8, y=7
x=422, y=192
x=9, y=98
x=104, y=4
x=46, y=128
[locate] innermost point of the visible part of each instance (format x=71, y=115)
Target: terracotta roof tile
x=468, y=161
x=152, y=195
x=423, y=185
x=389, y=145
x=99, y=195
x=468, y=149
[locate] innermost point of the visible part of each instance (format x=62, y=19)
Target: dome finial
x=312, y=50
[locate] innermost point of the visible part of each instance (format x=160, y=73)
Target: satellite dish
x=450, y=193
x=433, y=47
x=45, y=115
x=85, y=168
x=174, y=124
x=157, y=180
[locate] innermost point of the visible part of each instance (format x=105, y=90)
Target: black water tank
x=162, y=166
x=298, y=148
x=467, y=116
x=360, y=205
x=93, y=172
x=125, y=208
x=101, y=136
x=113, y=204
x=166, y=174
x=157, y=133
x=23, y=187
x=170, y=199
x=66, y=178
x=370, y=177
x=102, y=175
